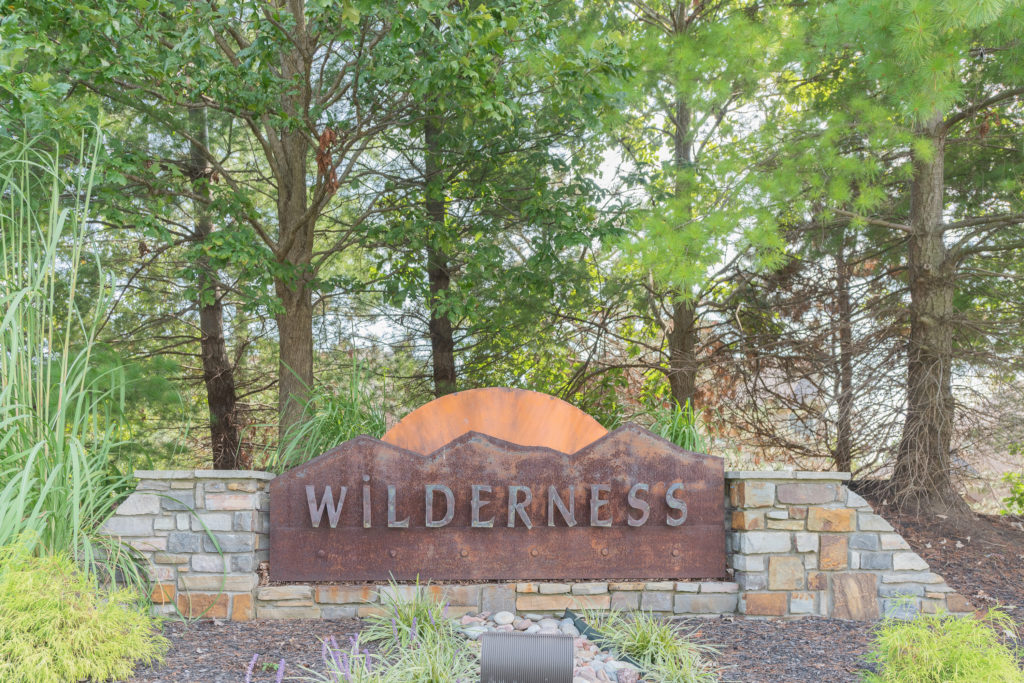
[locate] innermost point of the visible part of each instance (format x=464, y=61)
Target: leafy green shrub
x=659, y=648
x=1013, y=504
x=946, y=649
x=56, y=625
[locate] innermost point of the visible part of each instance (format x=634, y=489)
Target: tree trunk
x=442, y=339
x=921, y=478
x=844, y=423
x=682, y=340
x=295, y=322
x=682, y=346
x=218, y=372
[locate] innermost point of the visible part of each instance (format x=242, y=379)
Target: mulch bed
x=982, y=558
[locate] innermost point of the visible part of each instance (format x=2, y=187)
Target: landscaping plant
x=332, y=416
x=57, y=626
x=946, y=649
x=661, y=650
x=60, y=418
x=678, y=424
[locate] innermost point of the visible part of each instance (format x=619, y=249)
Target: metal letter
x=316, y=512
x=638, y=504
x=366, y=503
x=393, y=512
x=517, y=507
x=568, y=513
x=476, y=504
x=675, y=504
x=429, y=503
x=596, y=503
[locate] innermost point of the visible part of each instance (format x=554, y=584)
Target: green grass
x=61, y=416
x=57, y=625
x=678, y=424
x=665, y=654
x=946, y=649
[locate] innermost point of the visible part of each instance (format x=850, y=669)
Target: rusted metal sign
x=628, y=505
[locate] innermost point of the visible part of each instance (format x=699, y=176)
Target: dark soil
x=982, y=558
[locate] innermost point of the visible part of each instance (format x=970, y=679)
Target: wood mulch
x=982, y=558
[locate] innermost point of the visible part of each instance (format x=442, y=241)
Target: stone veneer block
x=824, y=519
x=806, y=542
x=747, y=520
x=625, y=600
x=660, y=585
x=217, y=582
x=705, y=603
x=242, y=608
x=162, y=593
x=128, y=526
x=855, y=596
x=755, y=542
x=765, y=604
x=718, y=587
x=908, y=562
x=656, y=601
x=805, y=493
x=752, y=494
x=345, y=594
x=590, y=588
x=869, y=521
x=554, y=588
x=801, y=603
x=785, y=573
x=747, y=563
x=833, y=554
x=498, y=598
x=625, y=586
x=205, y=605
x=526, y=588
x=893, y=541
x=551, y=603
x=273, y=593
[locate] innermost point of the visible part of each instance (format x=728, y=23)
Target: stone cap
x=204, y=474
x=788, y=474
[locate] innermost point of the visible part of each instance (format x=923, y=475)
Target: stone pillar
x=202, y=534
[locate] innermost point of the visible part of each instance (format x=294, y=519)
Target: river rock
x=502, y=618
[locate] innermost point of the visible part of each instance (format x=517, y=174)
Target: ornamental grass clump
x=57, y=625
x=946, y=649
x=665, y=654
x=416, y=642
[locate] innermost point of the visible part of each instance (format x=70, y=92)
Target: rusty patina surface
x=602, y=544
x=528, y=418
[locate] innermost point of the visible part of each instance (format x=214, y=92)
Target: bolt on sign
x=500, y=484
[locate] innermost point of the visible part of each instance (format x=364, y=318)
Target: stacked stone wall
x=798, y=544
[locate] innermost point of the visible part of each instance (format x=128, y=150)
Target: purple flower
x=394, y=628
x=252, y=665
x=280, y=670
x=446, y=609
x=414, y=628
